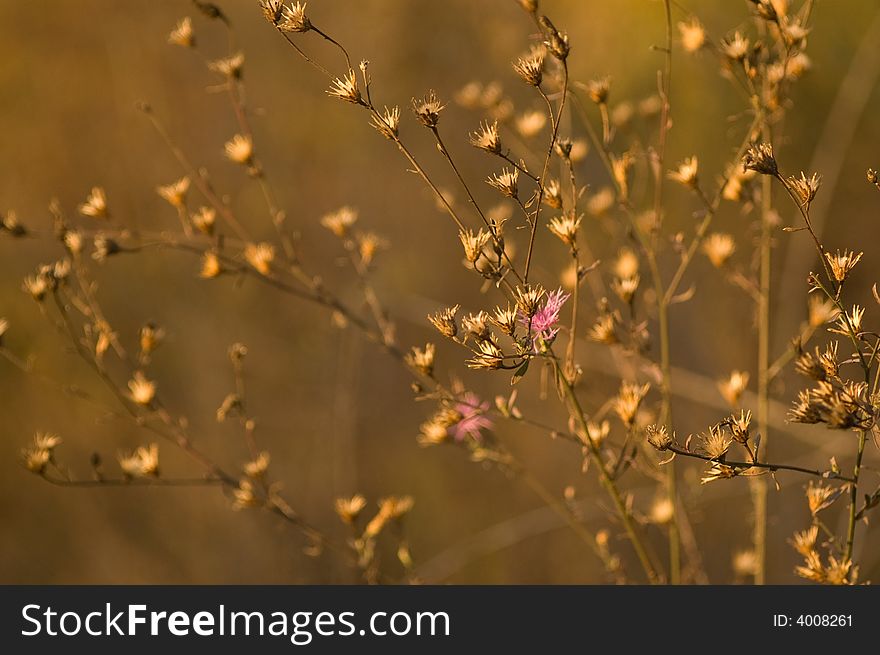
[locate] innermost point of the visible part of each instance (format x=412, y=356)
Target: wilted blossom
x=543, y=324
x=473, y=418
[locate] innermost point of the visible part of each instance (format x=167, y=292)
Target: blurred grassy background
x=335, y=413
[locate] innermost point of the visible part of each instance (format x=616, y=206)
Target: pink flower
x=473, y=419
x=543, y=324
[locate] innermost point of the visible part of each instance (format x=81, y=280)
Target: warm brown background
x=337, y=415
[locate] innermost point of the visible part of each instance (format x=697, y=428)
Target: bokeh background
x=336, y=414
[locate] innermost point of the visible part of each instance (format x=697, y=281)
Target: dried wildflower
x=556, y=41
x=794, y=33
x=745, y=563
x=604, y=330
x=733, y=387
x=765, y=9
x=387, y=122
x=38, y=286
x=348, y=509
x=433, y=432
x=260, y=256
x=340, y=221
x=204, y=220
x=175, y=193
x=719, y=247
x=231, y=66
x=36, y=459
x=626, y=287
x=487, y=138
x=693, y=35
x=143, y=391
x=244, y=496
x=804, y=410
x=715, y=443
x=849, y=322
x=73, y=241
x=873, y=177
x=422, y=359
x=842, y=263
x=627, y=263
x=686, y=173
x=10, y=223
x=718, y=471
x=528, y=299
x=104, y=248
x=293, y=18
x=598, y=90
x=739, y=426
x=628, y=401
x=531, y=67
x=95, y=204
x=183, y=34
x=820, y=310
x=141, y=463
x=566, y=228
x=805, y=542
x=474, y=243
x=820, y=496
x=530, y=123
x=658, y=437
x=272, y=10
x=346, y=88
x=542, y=325
x=239, y=149
x=736, y=47
x=553, y=194
x=46, y=441
x=150, y=337
x=812, y=568
x=427, y=109
x=445, y=322
x=211, y=266
x=601, y=201
x=477, y=326
x=368, y=244
x=662, y=511
x=473, y=418
x=804, y=189
x=505, y=319
x=759, y=158
x=840, y=571
x=257, y=467
x=620, y=168
x=488, y=356
x=506, y=182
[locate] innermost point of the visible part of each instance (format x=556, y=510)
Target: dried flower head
x=715, y=443
x=445, y=322
x=804, y=188
x=230, y=67
x=150, y=337
x=141, y=463
x=604, y=330
x=719, y=247
x=293, y=18
x=143, y=391
x=211, y=266
x=340, y=221
x=95, y=204
x=625, y=288
x=346, y=88
x=507, y=182
x=487, y=356
x=474, y=243
x=427, y=109
x=759, y=158
x=599, y=89
x=183, y=34
x=260, y=256
x=566, y=228
x=873, y=177
x=530, y=123
x=9, y=223
x=487, y=138
x=658, y=437
x=555, y=41
x=422, y=359
x=739, y=426
x=258, y=466
x=476, y=326
x=735, y=47
x=628, y=401
x=842, y=263
x=204, y=220
x=553, y=194
x=531, y=66
x=686, y=173
x=272, y=10
x=239, y=149
x=388, y=122
x=348, y=509
x=733, y=387
x=805, y=542
x=693, y=35
x=175, y=193
x=73, y=241
x=598, y=432
x=821, y=496
x=820, y=310
x=244, y=495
